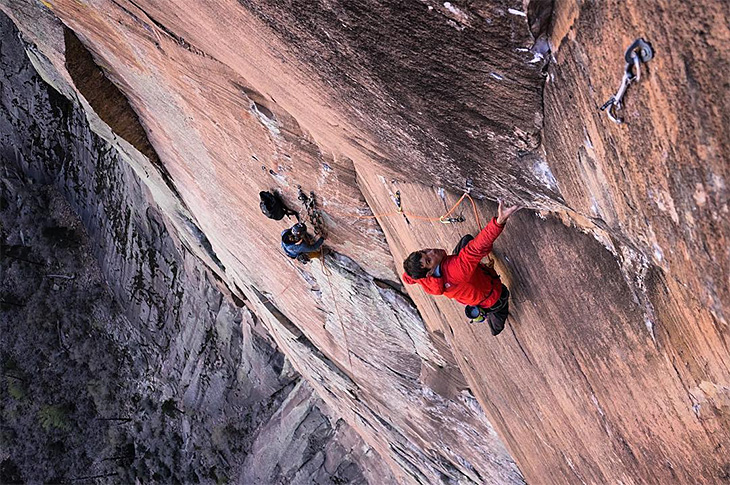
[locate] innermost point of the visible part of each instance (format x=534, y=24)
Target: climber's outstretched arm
x=468, y=258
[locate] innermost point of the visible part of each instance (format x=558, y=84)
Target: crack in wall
x=692, y=401
x=110, y=103
x=519, y=344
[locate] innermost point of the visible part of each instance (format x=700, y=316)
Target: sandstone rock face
x=614, y=367
x=655, y=191
x=138, y=368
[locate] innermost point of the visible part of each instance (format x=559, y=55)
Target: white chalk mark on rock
x=542, y=171
x=537, y=57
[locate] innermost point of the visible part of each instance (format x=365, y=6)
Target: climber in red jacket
x=463, y=277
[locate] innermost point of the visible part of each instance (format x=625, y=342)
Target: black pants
x=497, y=313
x=463, y=242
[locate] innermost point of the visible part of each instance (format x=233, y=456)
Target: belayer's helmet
x=299, y=229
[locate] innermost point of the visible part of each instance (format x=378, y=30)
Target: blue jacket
x=294, y=250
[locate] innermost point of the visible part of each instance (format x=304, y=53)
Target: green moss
x=16, y=388
x=53, y=417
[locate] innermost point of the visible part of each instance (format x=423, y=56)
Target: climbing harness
x=475, y=314
x=639, y=52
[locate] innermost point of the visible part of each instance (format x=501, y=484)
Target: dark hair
x=413, y=267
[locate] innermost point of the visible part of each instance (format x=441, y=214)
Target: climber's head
x=420, y=264
x=295, y=234
x=298, y=230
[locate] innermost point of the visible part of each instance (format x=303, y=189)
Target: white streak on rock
x=658, y=253
x=700, y=195
x=650, y=327
x=542, y=171
x=598, y=406
x=459, y=16
x=516, y=12
x=269, y=123
x=595, y=210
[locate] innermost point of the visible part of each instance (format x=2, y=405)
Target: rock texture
x=654, y=191
x=614, y=367
x=141, y=368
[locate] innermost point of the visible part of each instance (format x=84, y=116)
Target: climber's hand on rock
x=503, y=213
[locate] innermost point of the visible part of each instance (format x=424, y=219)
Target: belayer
x=299, y=245
x=462, y=277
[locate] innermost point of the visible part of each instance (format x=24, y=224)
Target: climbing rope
x=326, y=272
x=638, y=52
x=271, y=300
x=444, y=219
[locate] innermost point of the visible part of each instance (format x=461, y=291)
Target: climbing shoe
x=475, y=314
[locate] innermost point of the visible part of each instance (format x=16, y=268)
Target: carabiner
x=611, y=114
x=451, y=220
x=639, y=51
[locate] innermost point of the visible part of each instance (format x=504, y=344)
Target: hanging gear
x=640, y=51
x=310, y=205
x=398, y=201
x=451, y=220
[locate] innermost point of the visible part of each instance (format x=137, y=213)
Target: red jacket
x=463, y=277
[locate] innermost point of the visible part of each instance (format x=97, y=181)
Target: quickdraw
x=451, y=220
x=639, y=52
